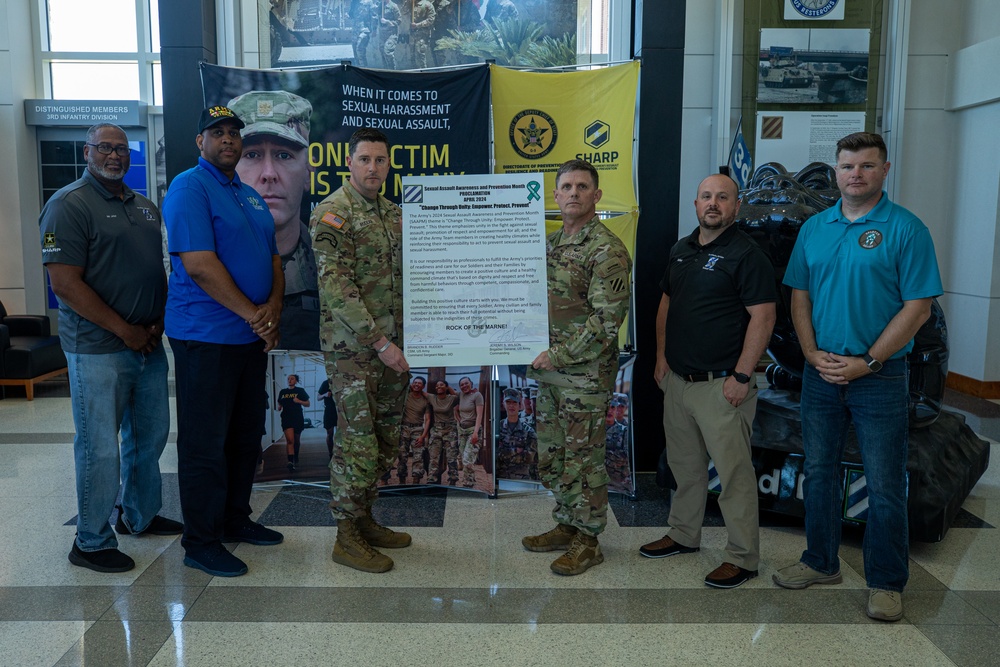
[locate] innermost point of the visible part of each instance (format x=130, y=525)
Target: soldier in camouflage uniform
x=444, y=433
x=470, y=427
x=357, y=238
x=517, y=445
x=619, y=469
x=414, y=432
x=589, y=294
x=528, y=411
x=275, y=162
x=366, y=21
x=424, y=15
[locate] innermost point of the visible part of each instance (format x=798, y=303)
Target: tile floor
x=465, y=593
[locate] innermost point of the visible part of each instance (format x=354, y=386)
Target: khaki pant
x=700, y=423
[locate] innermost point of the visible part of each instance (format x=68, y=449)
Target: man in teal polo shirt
x=863, y=274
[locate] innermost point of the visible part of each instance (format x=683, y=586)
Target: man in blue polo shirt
x=863, y=274
x=222, y=316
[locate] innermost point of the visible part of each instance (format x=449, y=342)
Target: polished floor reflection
x=465, y=593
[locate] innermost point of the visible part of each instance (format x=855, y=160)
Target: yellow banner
x=542, y=119
x=622, y=226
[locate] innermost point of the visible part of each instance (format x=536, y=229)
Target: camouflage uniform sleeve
x=333, y=246
x=427, y=19
x=608, y=297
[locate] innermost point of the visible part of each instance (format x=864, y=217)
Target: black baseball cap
x=217, y=114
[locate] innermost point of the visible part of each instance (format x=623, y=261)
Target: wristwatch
x=874, y=365
x=742, y=378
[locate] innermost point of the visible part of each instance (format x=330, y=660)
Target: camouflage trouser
x=470, y=454
x=361, y=39
x=369, y=398
x=389, y=50
x=422, y=51
x=571, y=450
x=443, y=438
x=408, y=434
x=509, y=468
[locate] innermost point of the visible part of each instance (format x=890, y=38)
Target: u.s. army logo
x=49, y=240
x=533, y=134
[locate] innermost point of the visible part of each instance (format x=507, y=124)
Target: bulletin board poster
x=474, y=271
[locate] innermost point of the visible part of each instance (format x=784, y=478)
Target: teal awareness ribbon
x=533, y=188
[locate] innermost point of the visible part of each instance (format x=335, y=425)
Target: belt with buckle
x=705, y=377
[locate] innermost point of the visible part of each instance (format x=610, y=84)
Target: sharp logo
x=597, y=134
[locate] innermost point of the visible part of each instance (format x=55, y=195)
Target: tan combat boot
x=557, y=539
x=353, y=551
x=379, y=536
x=583, y=554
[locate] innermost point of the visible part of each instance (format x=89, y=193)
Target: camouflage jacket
x=516, y=436
x=615, y=440
x=358, y=248
x=589, y=296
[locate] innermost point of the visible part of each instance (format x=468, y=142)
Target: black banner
x=438, y=123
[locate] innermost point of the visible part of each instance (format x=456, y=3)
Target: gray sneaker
x=801, y=575
x=885, y=605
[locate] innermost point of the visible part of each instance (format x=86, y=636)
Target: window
x=101, y=49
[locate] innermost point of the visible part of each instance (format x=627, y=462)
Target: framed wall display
x=816, y=65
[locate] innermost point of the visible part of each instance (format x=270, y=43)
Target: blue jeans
x=122, y=391
x=878, y=406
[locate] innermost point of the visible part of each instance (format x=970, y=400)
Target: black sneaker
x=729, y=575
x=104, y=560
x=664, y=547
x=216, y=561
x=158, y=526
x=253, y=533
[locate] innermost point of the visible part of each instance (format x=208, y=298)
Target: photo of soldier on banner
x=415, y=34
x=620, y=459
x=517, y=441
x=301, y=423
x=446, y=431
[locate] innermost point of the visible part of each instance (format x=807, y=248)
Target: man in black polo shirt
x=713, y=324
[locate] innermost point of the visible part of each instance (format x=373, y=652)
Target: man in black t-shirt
x=713, y=324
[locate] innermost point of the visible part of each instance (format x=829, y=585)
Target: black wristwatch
x=742, y=378
x=874, y=365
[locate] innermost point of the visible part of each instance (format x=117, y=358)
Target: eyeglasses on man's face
x=106, y=149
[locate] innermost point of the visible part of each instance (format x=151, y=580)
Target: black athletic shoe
x=160, y=525
x=216, y=561
x=104, y=560
x=253, y=533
